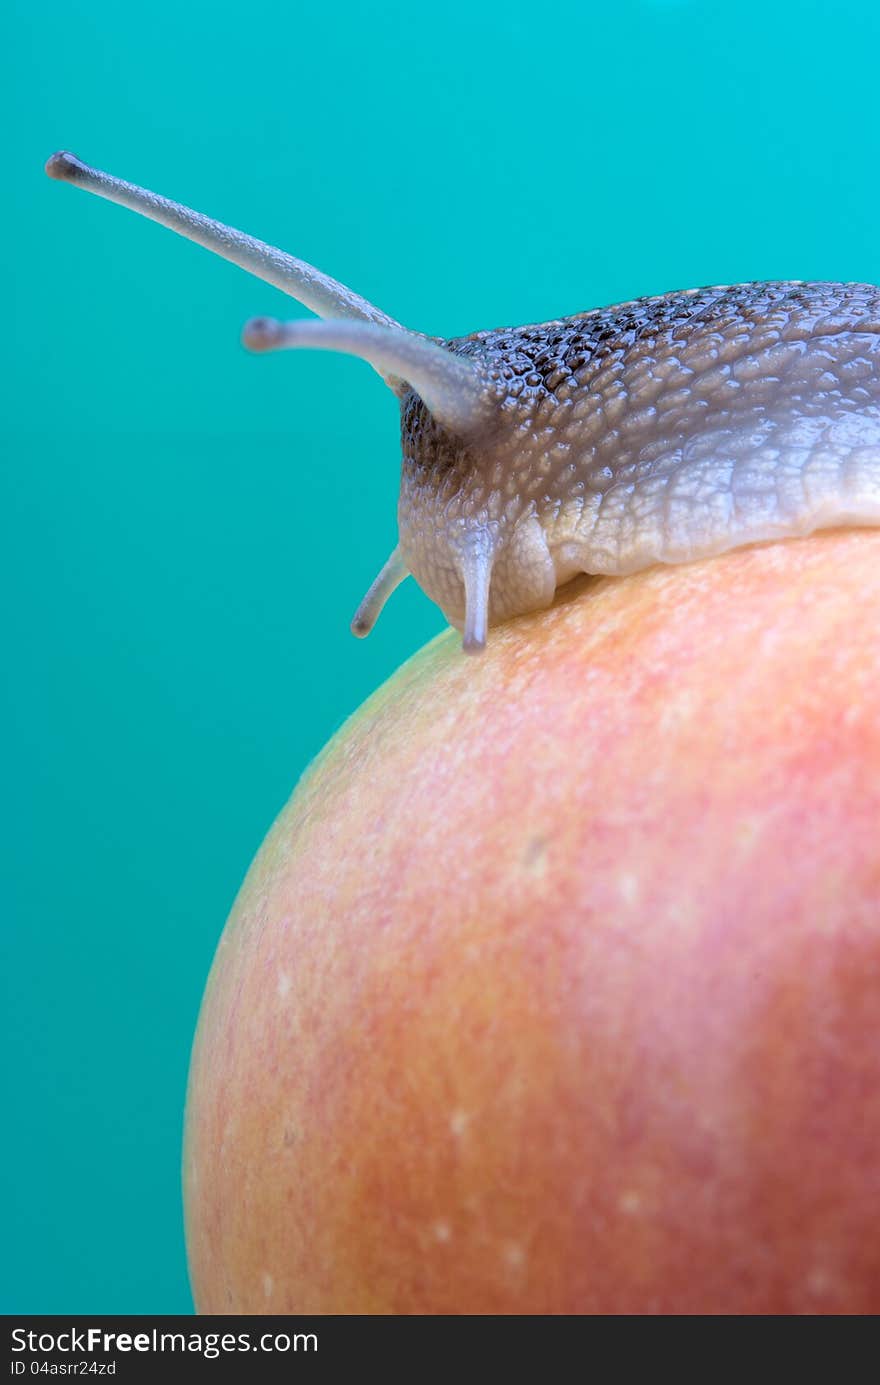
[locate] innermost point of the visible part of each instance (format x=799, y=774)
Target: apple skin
x=556, y=986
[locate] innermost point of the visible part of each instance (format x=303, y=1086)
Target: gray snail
x=656, y=431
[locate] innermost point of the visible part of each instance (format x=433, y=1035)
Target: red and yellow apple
x=556, y=986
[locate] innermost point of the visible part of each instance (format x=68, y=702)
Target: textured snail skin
x=656, y=431
x=661, y=430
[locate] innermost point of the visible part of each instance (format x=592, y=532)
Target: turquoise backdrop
x=187, y=529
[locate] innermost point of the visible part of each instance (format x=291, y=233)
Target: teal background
x=187, y=529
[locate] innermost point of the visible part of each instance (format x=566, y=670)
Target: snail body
x=656, y=431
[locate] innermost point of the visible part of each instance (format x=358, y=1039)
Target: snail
x=661, y=430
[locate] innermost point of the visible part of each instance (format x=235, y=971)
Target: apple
x=556, y=986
